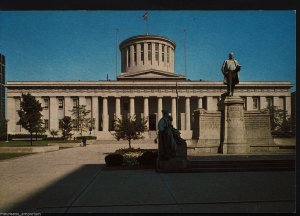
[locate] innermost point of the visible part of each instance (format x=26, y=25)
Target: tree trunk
x=129, y=143
x=31, y=139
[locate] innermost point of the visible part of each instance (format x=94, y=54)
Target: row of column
x=146, y=110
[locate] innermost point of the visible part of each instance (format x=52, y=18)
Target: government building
x=147, y=84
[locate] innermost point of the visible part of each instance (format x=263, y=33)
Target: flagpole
x=117, y=31
x=185, y=52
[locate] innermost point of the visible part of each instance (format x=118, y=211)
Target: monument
x=172, y=149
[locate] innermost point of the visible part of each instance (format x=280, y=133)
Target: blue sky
x=81, y=45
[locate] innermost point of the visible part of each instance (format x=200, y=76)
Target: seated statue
x=170, y=143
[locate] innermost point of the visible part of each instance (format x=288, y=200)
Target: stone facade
x=142, y=89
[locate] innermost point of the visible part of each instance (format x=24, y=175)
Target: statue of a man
x=230, y=69
x=166, y=142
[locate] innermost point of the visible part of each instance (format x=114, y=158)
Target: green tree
x=129, y=128
x=53, y=133
x=40, y=129
x=66, y=127
x=30, y=114
x=282, y=125
x=80, y=120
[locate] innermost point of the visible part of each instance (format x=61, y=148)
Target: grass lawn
x=4, y=156
x=18, y=143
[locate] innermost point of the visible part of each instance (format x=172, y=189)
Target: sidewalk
x=72, y=180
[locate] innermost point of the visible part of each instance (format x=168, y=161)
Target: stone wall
x=207, y=129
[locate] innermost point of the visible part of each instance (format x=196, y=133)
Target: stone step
x=241, y=165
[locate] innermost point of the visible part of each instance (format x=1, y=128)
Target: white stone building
x=147, y=84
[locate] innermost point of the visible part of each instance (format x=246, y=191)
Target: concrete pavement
x=73, y=180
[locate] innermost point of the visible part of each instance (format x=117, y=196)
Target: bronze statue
x=230, y=70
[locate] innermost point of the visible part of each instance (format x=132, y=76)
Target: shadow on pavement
x=60, y=194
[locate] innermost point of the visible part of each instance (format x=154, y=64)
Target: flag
x=145, y=16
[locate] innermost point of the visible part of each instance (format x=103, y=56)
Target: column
x=105, y=114
x=146, y=54
x=131, y=56
x=200, y=103
x=160, y=54
x=276, y=102
x=159, y=108
x=249, y=103
x=146, y=110
x=11, y=114
x=174, y=113
x=187, y=114
x=288, y=105
x=132, y=111
x=138, y=53
x=53, y=121
x=68, y=106
x=82, y=100
x=118, y=107
x=210, y=103
x=95, y=112
x=153, y=54
x=263, y=103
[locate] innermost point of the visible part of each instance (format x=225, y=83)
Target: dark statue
x=230, y=70
x=170, y=144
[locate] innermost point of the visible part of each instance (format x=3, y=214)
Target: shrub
x=25, y=136
x=114, y=159
x=127, y=150
x=148, y=158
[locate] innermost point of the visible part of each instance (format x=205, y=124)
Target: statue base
x=235, y=141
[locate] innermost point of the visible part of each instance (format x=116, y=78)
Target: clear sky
x=81, y=45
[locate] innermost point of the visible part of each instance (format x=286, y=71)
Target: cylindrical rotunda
x=145, y=52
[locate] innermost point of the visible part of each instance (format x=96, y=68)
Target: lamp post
x=6, y=129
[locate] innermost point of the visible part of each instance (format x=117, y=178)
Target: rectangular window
x=46, y=103
x=134, y=54
x=168, y=54
x=255, y=103
x=142, y=53
x=60, y=103
x=163, y=53
x=149, y=52
x=46, y=121
x=75, y=103
x=269, y=102
x=156, y=51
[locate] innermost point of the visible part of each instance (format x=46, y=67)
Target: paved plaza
x=73, y=180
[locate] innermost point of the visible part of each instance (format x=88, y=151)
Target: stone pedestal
x=235, y=141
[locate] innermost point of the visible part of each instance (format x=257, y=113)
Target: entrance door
x=152, y=122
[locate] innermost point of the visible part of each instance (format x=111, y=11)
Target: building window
x=128, y=57
x=149, y=52
x=245, y=102
x=269, y=102
x=134, y=53
x=60, y=103
x=163, y=53
x=46, y=102
x=142, y=52
x=75, y=103
x=46, y=121
x=168, y=54
x=156, y=51
x=255, y=103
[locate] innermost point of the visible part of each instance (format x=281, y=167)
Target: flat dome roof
x=143, y=37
